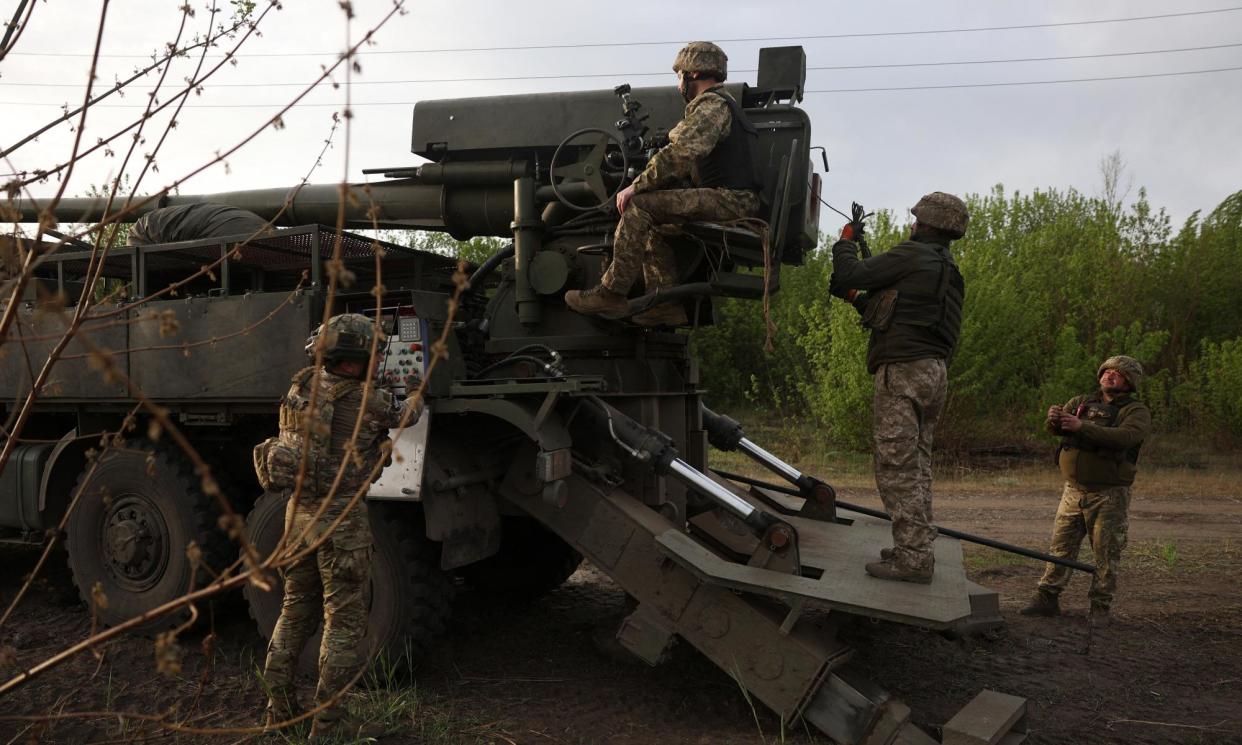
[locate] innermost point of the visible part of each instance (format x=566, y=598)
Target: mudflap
x=693, y=582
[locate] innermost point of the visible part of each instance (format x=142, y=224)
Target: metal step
x=991, y=718
x=747, y=619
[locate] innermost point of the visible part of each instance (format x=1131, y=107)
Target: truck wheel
x=129, y=532
x=410, y=595
x=532, y=561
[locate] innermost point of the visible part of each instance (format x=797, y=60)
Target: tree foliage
x=1056, y=282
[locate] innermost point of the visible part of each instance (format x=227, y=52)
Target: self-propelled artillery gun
x=551, y=436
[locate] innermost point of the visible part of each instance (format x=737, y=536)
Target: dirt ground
x=1169, y=670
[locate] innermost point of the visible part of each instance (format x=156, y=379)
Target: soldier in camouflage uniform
x=711, y=150
x=328, y=584
x=910, y=298
x=1101, y=434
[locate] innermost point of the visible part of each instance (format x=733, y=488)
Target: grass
x=1168, y=553
x=983, y=558
x=1172, y=467
x=1168, y=556
x=386, y=696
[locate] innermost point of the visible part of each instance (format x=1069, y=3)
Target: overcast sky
x=1178, y=135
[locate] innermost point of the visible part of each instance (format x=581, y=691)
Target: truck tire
x=128, y=534
x=532, y=561
x=411, y=597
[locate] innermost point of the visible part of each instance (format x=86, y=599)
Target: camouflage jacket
x=380, y=413
x=706, y=124
x=1104, y=452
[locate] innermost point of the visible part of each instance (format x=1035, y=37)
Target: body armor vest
x=940, y=311
x=732, y=164
x=278, y=459
x=1097, y=411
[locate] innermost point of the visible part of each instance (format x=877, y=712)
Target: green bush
x=1056, y=281
x=1211, y=394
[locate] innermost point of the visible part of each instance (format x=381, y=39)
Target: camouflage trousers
x=909, y=397
x=640, y=248
x=328, y=585
x=1102, y=517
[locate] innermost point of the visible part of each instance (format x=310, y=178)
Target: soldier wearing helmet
x=1101, y=434
x=705, y=173
x=317, y=439
x=910, y=298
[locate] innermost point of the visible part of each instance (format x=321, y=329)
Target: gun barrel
x=465, y=211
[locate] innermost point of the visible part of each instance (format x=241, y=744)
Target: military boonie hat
x=944, y=211
x=1127, y=366
x=702, y=56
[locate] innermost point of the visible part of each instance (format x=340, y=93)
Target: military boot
x=889, y=570
x=665, y=314
x=886, y=554
x=345, y=730
x=281, y=707
x=598, y=301
x=1043, y=604
x=1099, y=616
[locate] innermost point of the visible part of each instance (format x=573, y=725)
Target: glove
x=836, y=290
x=852, y=231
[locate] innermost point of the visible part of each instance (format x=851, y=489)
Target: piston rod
x=769, y=461
x=656, y=450
x=700, y=482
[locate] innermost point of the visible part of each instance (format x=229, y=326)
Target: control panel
x=404, y=353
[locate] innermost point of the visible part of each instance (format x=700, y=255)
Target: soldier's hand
x=623, y=198
x=1069, y=423
x=416, y=403
x=1054, y=413
x=852, y=231
x=836, y=289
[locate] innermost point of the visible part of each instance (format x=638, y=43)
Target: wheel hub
x=135, y=542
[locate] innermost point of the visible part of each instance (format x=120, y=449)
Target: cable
x=861, y=35
x=549, y=370
x=1025, y=82
x=555, y=355
x=618, y=76
x=357, y=104
x=834, y=209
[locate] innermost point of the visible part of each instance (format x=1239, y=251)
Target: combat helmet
x=943, y=211
x=702, y=56
x=1127, y=366
x=348, y=337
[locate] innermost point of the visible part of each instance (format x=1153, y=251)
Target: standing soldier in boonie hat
x=910, y=298
x=712, y=151
x=1101, y=434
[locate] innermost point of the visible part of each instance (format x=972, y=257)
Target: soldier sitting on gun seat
x=712, y=148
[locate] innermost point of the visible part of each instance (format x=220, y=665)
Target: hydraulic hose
x=488, y=266
x=656, y=450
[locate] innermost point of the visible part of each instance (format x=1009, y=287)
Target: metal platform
x=840, y=552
